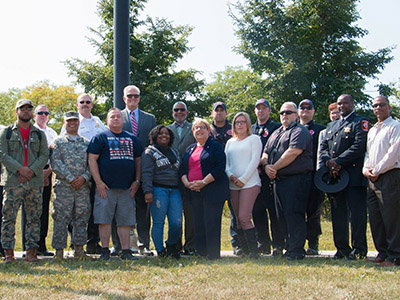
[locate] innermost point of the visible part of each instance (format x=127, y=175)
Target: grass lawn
x=194, y=278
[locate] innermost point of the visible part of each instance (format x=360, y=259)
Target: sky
x=37, y=36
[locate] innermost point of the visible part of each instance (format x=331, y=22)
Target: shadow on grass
x=79, y=292
x=52, y=267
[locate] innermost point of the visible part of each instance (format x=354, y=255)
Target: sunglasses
x=179, y=109
x=287, y=112
x=41, y=113
x=133, y=96
x=87, y=102
x=306, y=107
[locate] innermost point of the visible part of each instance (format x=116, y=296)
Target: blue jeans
x=166, y=202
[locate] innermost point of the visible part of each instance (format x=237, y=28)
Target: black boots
x=172, y=251
x=251, y=239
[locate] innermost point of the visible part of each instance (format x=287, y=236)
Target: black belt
x=165, y=186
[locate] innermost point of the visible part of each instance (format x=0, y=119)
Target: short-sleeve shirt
x=117, y=153
x=295, y=136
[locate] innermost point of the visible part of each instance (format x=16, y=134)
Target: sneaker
x=145, y=251
x=44, y=253
x=114, y=251
x=127, y=255
x=277, y=252
x=93, y=248
x=105, y=254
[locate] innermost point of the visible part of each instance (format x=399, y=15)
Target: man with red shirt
x=23, y=153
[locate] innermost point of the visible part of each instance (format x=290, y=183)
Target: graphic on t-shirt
x=120, y=148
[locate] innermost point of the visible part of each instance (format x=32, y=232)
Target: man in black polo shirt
x=314, y=204
x=264, y=127
x=287, y=160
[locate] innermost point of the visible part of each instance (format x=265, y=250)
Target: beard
x=24, y=119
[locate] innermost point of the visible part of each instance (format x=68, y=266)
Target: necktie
x=179, y=130
x=134, y=123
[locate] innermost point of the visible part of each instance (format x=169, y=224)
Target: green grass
x=195, y=278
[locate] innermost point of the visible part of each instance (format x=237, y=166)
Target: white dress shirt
x=383, y=147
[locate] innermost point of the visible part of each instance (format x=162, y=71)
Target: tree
x=155, y=47
x=58, y=99
x=307, y=49
x=238, y=88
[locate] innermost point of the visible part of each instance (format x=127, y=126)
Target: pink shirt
x=25, y=137
x=194, y=165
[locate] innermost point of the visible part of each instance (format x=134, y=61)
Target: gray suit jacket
x=185, y=140
x=146, y=123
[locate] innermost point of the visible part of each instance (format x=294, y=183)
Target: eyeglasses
x=24, y=108
x=41, y=113
x=202, y=127
x=306, y=107
x=240, y=122
x=87, y=102
x=179, y=109
x=379, y=105
x=133, y=96
x=287, y=112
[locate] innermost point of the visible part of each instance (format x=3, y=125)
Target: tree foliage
x=58, y=99
x=155, y=47
x=307, y=49
x=238, y=88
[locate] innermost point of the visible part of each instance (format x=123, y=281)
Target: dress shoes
x=312, y=251
x=93, y=248
x=339, y=255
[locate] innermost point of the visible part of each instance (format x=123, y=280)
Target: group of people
x=110, y=179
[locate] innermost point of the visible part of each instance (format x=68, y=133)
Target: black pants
x=384, y=213
x=291, y=194
x=313, y=216
x=44, y=218
x=350, y=205
x=263, y=212
x=92, y=229
x=207, y=225
x=189, y=223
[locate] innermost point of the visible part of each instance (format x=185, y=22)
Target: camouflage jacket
x=12, y=156
x=69, y=159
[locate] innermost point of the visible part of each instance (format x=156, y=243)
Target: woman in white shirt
x=243, y=152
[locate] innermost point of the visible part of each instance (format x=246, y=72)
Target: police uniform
x=346, y=140
x=69, y=160
x=316, y=198
x=265, y=199
x=221, y=134
x=292, y=184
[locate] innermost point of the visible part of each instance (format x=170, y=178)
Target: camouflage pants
x=70, y=206
x=13, y=198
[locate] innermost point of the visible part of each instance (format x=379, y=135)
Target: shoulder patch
x=365, y=125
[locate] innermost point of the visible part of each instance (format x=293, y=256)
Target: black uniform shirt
x=221, y=134
x=295, y=136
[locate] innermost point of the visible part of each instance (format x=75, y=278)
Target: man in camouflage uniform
x=71, y=188
x=23, y=153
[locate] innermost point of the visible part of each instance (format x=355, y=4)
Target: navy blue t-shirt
x=117, y=153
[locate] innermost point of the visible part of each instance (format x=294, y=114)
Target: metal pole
x=121, y=50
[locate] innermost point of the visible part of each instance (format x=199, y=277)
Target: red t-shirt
x=25, y=137
x=195, y=172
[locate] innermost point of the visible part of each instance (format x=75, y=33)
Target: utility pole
x=121, y=50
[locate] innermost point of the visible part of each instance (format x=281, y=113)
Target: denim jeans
x=166, y=202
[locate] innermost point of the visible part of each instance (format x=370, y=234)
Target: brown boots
x=9, y=255
x=79, y=253
x=31, y=255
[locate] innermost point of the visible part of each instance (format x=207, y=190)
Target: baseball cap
x=23, y=102
x=71, y=115
x=308, y=102
x=219, y=103
x=263, y=101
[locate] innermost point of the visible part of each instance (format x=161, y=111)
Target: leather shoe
x=93, y=248
x=189, y=252
x=44, y=253
x=114, y=252
x=339, y=255
x=295, y=257
x=312, y=251
x=277, y=252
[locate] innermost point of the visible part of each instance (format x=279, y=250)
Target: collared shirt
x=49, y=132
x=383, y=147
x=88, y=127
